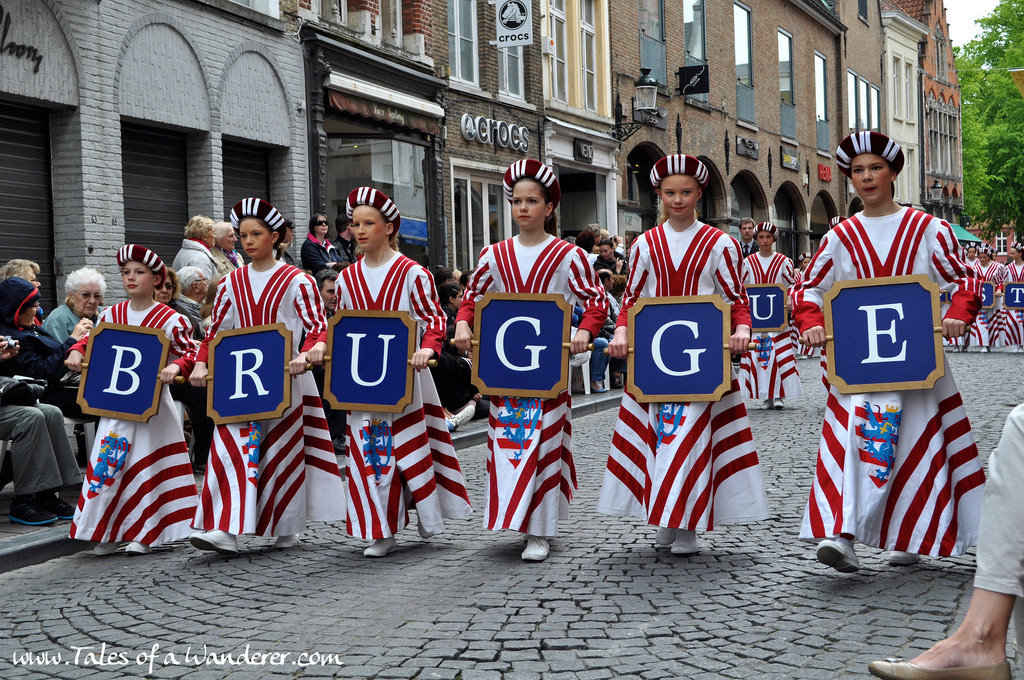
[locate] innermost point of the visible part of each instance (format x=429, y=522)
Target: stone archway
x=789, y=215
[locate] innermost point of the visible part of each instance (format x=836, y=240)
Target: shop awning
x=964, y=235
x=373, y=101
x=414, y=229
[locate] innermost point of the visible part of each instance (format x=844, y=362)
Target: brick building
x=787, y=81
x=119, y=120
x=375, y=111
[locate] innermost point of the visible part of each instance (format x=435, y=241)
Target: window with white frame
x=851, y=99
x=820, y=87
x=1001, y=243
x=742, y=33
x=897, y=87
x=909, y=80
x=875, y=109
x=941, y=65
x=785, y=67
x=559, y=64
x=462, y=58
x=510, y=71
x=588, y=54
x=863, y=117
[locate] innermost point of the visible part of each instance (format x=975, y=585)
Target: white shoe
x=768, y=404
x=685, y=543
x=665, y=536
x=286, y=541
x=104, y=549
x=422, y=529
x=463, y=416
x=381, y=547
x=215, y=541
x=779, y=404
x=136, y=548
x=536, y=549
x=839, y=555
x=898, y=558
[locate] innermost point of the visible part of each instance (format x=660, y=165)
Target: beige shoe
x=381, y=547
x=536, y=549
x=897, y=669
x=215, y=541
x=137, y=548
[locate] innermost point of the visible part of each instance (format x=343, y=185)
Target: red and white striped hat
x=1018, y=246
x=770, y=228
x=987, y=249
x=679, y=164
x=532, y=169
x=134, y=253
x=261, y=210
x=868, y=142
x=835, y=221
x=375, y=199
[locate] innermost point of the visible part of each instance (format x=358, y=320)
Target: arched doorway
x=789, y=212
x=643, y=213
x=856, y=205
x=823, y=209
x=713, y=206
x=747, y=199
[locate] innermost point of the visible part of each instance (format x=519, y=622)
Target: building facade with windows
x=903, y=36
x=119, y=120
x=375, y=112
x=774, y=109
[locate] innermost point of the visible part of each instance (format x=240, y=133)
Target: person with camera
x=41, y=460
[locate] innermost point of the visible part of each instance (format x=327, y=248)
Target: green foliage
x=992, y=119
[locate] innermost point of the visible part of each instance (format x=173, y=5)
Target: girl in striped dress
x=1013, y=319
x=268, y=477
x=895, y=470
x=684, y=467
x=992, y=318
x=769, y=371
x=529, y=490
x=419, y=462
x=139, y=485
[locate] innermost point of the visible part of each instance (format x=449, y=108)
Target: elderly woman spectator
x=317, y=252
x=23, y=269
x=84, y=289
x=167, y=292
x=196, y=247
x=223, y=250
x=194, y=286
x=40, y=355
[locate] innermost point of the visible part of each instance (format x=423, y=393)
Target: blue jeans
x=598, y=360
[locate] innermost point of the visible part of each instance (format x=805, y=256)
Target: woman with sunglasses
x=167, y=291
x=317, y=252
x=84, y=289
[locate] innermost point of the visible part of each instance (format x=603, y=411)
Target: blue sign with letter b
x=122, y=369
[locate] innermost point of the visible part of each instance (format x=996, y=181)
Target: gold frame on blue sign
x=144, y=417
x=286, y=397
x=785, y=312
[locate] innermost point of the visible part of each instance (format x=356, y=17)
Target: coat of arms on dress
x=670, y=417
x=377, y=446
x=518, y=419
x=763, y=349
x=114, y=450
x=253, y=433
x=879, y=432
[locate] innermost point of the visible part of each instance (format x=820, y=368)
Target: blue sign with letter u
x=121, y=379
x=249, y=369
x=369, y=368
x=885, y=334
x=522, y=345
x=680, y=349
x=767, y=307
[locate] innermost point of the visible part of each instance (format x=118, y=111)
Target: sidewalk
x=22, y=546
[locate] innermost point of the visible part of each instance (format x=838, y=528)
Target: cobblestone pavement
x=753, y=604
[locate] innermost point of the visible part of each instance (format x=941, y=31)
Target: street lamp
x=935, y=192
x=646, y=96
x=645, y=101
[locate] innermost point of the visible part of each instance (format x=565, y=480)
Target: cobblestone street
x=753, y=603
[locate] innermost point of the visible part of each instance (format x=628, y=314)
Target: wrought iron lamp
x=645, y=100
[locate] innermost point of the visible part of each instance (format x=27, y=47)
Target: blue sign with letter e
x=369, y=368
x=121, y=376
x=885, y=334
x=767, y=307
x=1013, y=295
x=249, y=369
x=680, y=349
x=522, y=345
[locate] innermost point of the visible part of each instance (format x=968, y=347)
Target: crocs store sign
x=495, y=132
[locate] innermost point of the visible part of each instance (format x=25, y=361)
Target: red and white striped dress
x=897, y=470
x=1012, y=323
x=397, y=458
x=139, y=485
x=770, y=372
x=530, y=484
x=296, y=476
x=685, y=465
x=995, y=273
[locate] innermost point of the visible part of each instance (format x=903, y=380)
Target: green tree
x=992, y=120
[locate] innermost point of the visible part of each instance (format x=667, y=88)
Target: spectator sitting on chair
x=598, y=358
x=194, y=286
x=453, y=375
x=84, y=289
x=617, y=366
x=40, y=460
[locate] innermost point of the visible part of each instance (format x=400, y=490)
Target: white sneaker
x=286, y=541
x=839, y=555
x=768, y=404
x=685, y=543
x=104, y=549
x=536, y=549
x=463, y=416
x=898, y=558
x=136, y=548
x=779, y=404
x=381, y=547
x=215, y=541
x=422, y=529
x=665, y=536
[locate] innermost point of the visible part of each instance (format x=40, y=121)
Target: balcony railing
x=652, y=56
x=824, y=143
x=744, y=102
x=788, y=120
